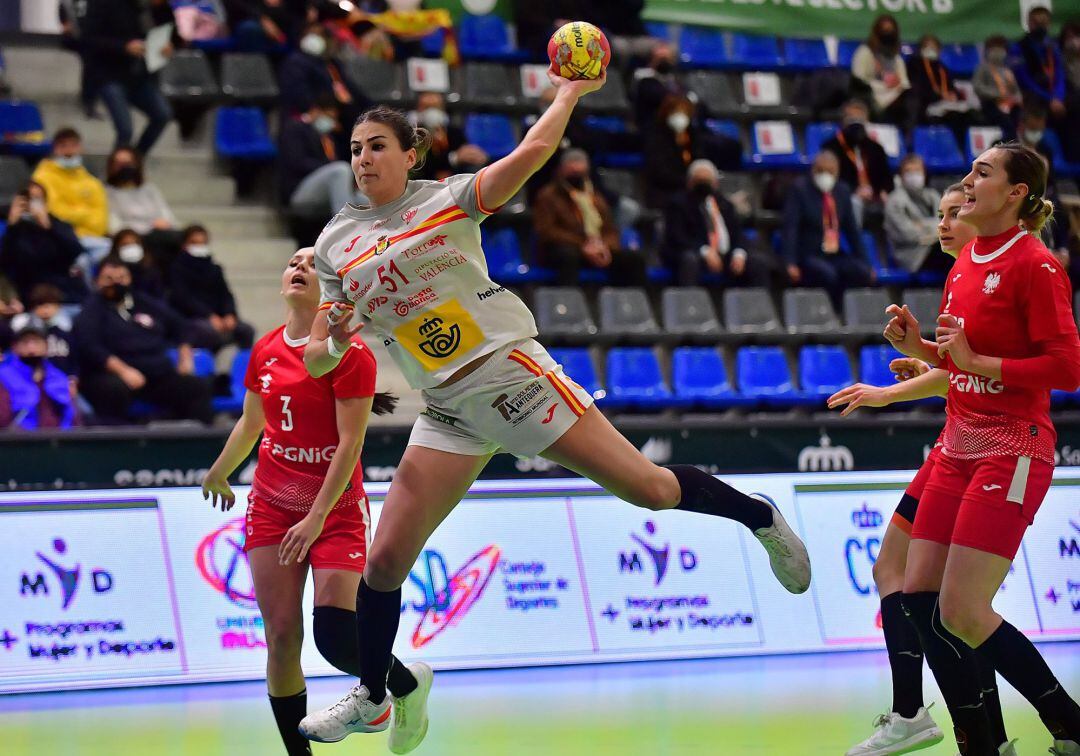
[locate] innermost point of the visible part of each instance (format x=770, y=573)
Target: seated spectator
x=138, y=204
x=314, y=179
x=673, y=141
x=147, y=276
x=1038, y=65
x=45, y=304
x=35, y=394
x=936, y=98
x=911, y=217
x=995, y=84
x=122, y=340
x=817, y=213
x=262, y=25
x=201, y=294
x=703, y=230
x=864, y=166
x=654, y=83
x=1031, y=130
x=74, y=195
x=574, y=226
x=113, y=36
x=880, y=75
x=314, y=71
x=40, y=248
x=450, y=152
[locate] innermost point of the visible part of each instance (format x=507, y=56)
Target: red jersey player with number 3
x=307, y=503
x=1006, y=336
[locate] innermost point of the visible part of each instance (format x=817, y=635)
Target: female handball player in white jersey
x=307, y=503
x=411, y=265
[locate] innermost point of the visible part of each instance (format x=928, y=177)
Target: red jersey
x=1012, y=298
x=301, y=435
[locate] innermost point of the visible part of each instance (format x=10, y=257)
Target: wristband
x=332, y=348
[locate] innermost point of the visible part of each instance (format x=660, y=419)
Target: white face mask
x=678, y=122
x=313, y=44
x=324, y=124
x=70, y=162
x=1033, y=136
x=930, y=53
x=198, y=250
x=824, y=182
x=914, y=180
x=37, y=205
x=131, y=253
x=433, y=118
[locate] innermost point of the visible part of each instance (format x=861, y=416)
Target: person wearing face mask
x=450, y=152
x=40, y=248
x=73, y=194
x=1031, y=131
x=655, y=82
x=879, y=73
x=201, y=294
x=147, y=277
x=996, y=87
x=34, y=393
x=313, y=72
x=911, y=218
x=575, y=226
x=46, y=304
x=935, y=96
x=817, y=214
x=134, y=202
x=864, y=166
x=122, y=340
x=1039, y=69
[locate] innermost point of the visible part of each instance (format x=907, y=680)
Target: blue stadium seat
x=578, y=365
x=724, y=128
x=634, y=379
x=658, y=30
x=874, y=364
x=243, y=133
x=818, y=134
x=502, y=250
x=961, y=60
x=939, y=149
x=22, y=131
x=204, y=361
x=759, y=158
x=235, y=401
x=703, y=47
x=845, y=51
x=493, y=132
x=700, y=379
x=1062, y=167
x=755, y=52
x=612, y=124
x=823, y=370
x=486, y=37
x=888, y=272
x=805, y=54
x=764, y=376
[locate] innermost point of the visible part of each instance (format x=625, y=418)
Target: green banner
x=951, y=20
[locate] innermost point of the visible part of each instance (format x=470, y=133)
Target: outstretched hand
x=858, y=395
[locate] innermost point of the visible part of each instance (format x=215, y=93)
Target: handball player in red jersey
x=307, y=504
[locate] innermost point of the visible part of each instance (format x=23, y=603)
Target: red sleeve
x=355, y=374
x=251, y=378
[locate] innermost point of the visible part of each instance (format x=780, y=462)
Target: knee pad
x=336, y=639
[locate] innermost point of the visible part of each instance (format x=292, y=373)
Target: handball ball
x=579, y=50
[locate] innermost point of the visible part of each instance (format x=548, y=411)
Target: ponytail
x=383, y=403
x=1037, y=214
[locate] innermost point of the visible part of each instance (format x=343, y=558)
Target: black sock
x=705, y=494
x=953, y=664
x=288, y=711
x=336, y=638
x=991, y=698
x=905, y=656
x=377, y=617
x=1019, y=662
x=399, y=679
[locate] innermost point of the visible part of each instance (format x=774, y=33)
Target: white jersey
x=415, y=270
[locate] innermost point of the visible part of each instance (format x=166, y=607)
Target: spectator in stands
x=45, y=303
x=262, y=25
x=147, y=276
x=1031, y=130
x=74, y=195
x=450, y=152
x=138, y=204
x=673, y=141
x=200, y=293
x=995, y=84
x=879, y=74
x=911, y=217
x=314, y=175
x=574, y=226
x=35, y=394
x=817, y=213
x=40, y=248
x=864, y=166
x=936, y=98
x=113, y=35
x=314, y=71
x=655, y=82
x=122, y=340
x=537, y=21
x=703, y=230
x=1038, y=66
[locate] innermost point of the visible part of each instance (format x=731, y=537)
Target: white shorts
x=519, y=401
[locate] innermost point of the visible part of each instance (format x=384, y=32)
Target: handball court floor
x=789, y=705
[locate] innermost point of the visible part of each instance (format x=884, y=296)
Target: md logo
x=444, y=597
x=1067, y=545
x=63, y=579
x=659, y=556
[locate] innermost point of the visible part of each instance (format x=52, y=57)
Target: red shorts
x=342, y=545
x=985, y=504
x=904, y=516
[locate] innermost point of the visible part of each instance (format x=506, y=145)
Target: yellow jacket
x=73, y=195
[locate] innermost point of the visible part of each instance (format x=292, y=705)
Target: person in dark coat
x=864, y=166
x=201, y=294
x=315, y=178
x=314, y=71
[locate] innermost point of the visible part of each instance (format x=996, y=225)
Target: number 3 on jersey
x=387, y=281
x=286, y=414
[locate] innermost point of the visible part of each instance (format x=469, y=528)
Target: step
x=260, y=258
x=42, y=73
x=235, y=222
x=206, y=189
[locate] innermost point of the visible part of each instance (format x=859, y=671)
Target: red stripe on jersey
x=525, y=362
x=438, y=219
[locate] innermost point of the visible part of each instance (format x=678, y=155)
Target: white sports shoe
x=410, y=723
x=1065, y=748
x=787, y=553
x=1007, y=749
x=354, y=713
x=894, y=735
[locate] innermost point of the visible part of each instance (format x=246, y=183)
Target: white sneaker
x=1065, y=748
x=787, y=553
x=1007, y=749
x=354, y=713
x=410, y=723
x=894, y=734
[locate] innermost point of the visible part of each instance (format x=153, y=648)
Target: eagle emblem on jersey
x=381, y=244
x=439, y=339
x=993, y=280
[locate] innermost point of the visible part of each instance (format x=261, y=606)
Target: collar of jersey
x=991, y=256
x=295, y=342
x=382, y=211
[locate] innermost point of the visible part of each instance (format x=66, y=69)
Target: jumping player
x=307, y=502
x=412, y=265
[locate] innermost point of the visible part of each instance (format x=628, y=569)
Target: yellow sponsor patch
x=440, y=335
